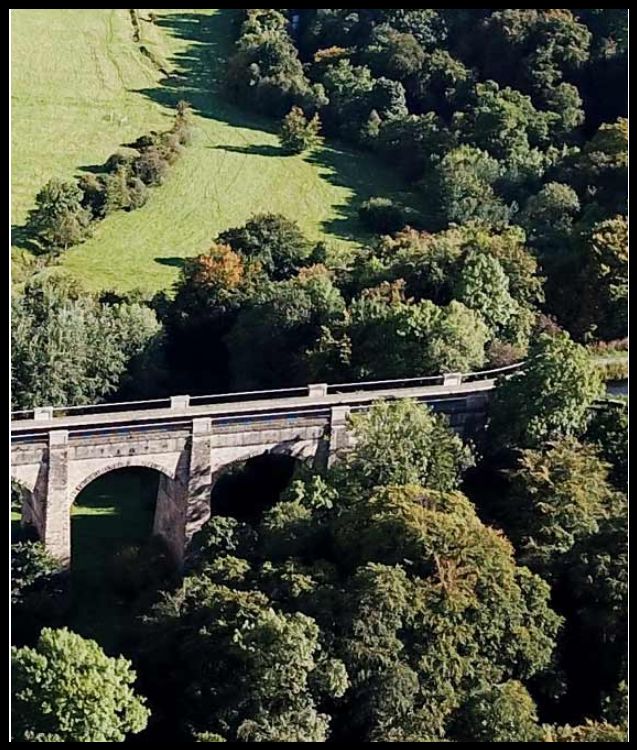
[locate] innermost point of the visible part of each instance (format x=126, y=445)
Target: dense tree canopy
x=412, y=599
x=550, y=398
x=425, y=587
x=67, y=690
x=499, y=116
x=68, y=348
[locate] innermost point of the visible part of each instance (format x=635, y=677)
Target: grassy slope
x=66, y=110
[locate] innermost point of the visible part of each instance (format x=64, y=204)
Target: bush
x=60, y=219
x=135, y=569
x=137, y=193
x=116, y=191
x=299, y=134
x=38, y=590
x=183, y=126
x=117, y=160
x=170, y=147
x=151, y=167
x=94, y=194
x=501, y=354
x=614, y=370
x=385, y=216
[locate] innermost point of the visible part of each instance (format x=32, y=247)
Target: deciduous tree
x=549, y=398
x=59, y=218
x=67, y=690
x=297, y=133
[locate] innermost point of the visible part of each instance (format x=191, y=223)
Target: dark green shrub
x=94, y=189
x=38, y=590
x=137, y=193
x=135, y=569
x=60, y=219
x=384, y=215
x=117, y=160
x=151, y=166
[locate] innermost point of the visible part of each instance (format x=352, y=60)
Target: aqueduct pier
x=56, y=452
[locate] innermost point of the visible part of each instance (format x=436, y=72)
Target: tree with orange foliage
x=219, y=268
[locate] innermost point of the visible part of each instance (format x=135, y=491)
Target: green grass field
x=72, y=109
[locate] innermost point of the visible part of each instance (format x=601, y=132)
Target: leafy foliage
x=68, y=348
x=275, y=242
x=608, y=432
x=31, y=566
x=298, y=134
x=484, y=287
x=459, y=188
x=558, y=495
x=550, y=398
x=59, y=218
x=67, y=690
x=404, y=443
x=502, y=713
x=591, y=731
x=383, y=215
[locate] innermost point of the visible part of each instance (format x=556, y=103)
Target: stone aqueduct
x=55, y=453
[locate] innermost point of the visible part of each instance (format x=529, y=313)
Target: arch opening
x=117, y=557
x=246, y=489
x=117, y=506
x=25, y=515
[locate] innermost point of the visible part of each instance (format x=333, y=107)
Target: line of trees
x=66, y=211
x=272, y=309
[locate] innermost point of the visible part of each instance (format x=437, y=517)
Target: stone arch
x=126, y=462
x=223, y=471
x=31, y=504
x=169, y=515
x=224, y=458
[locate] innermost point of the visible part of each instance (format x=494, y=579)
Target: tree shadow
x=113, y=513
x=257, y=149
x=25, y=238
x=343, y=167
x=94, y=168
x=198, y=77
x=173, y=262
x=198, y=71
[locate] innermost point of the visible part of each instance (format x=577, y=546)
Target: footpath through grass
x=73, y=109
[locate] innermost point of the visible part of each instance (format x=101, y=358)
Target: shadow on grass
x=198, y=78
x=173, y=262
x=25, y=238
x=257, y=149
x=93, y=168
x=198, y=71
